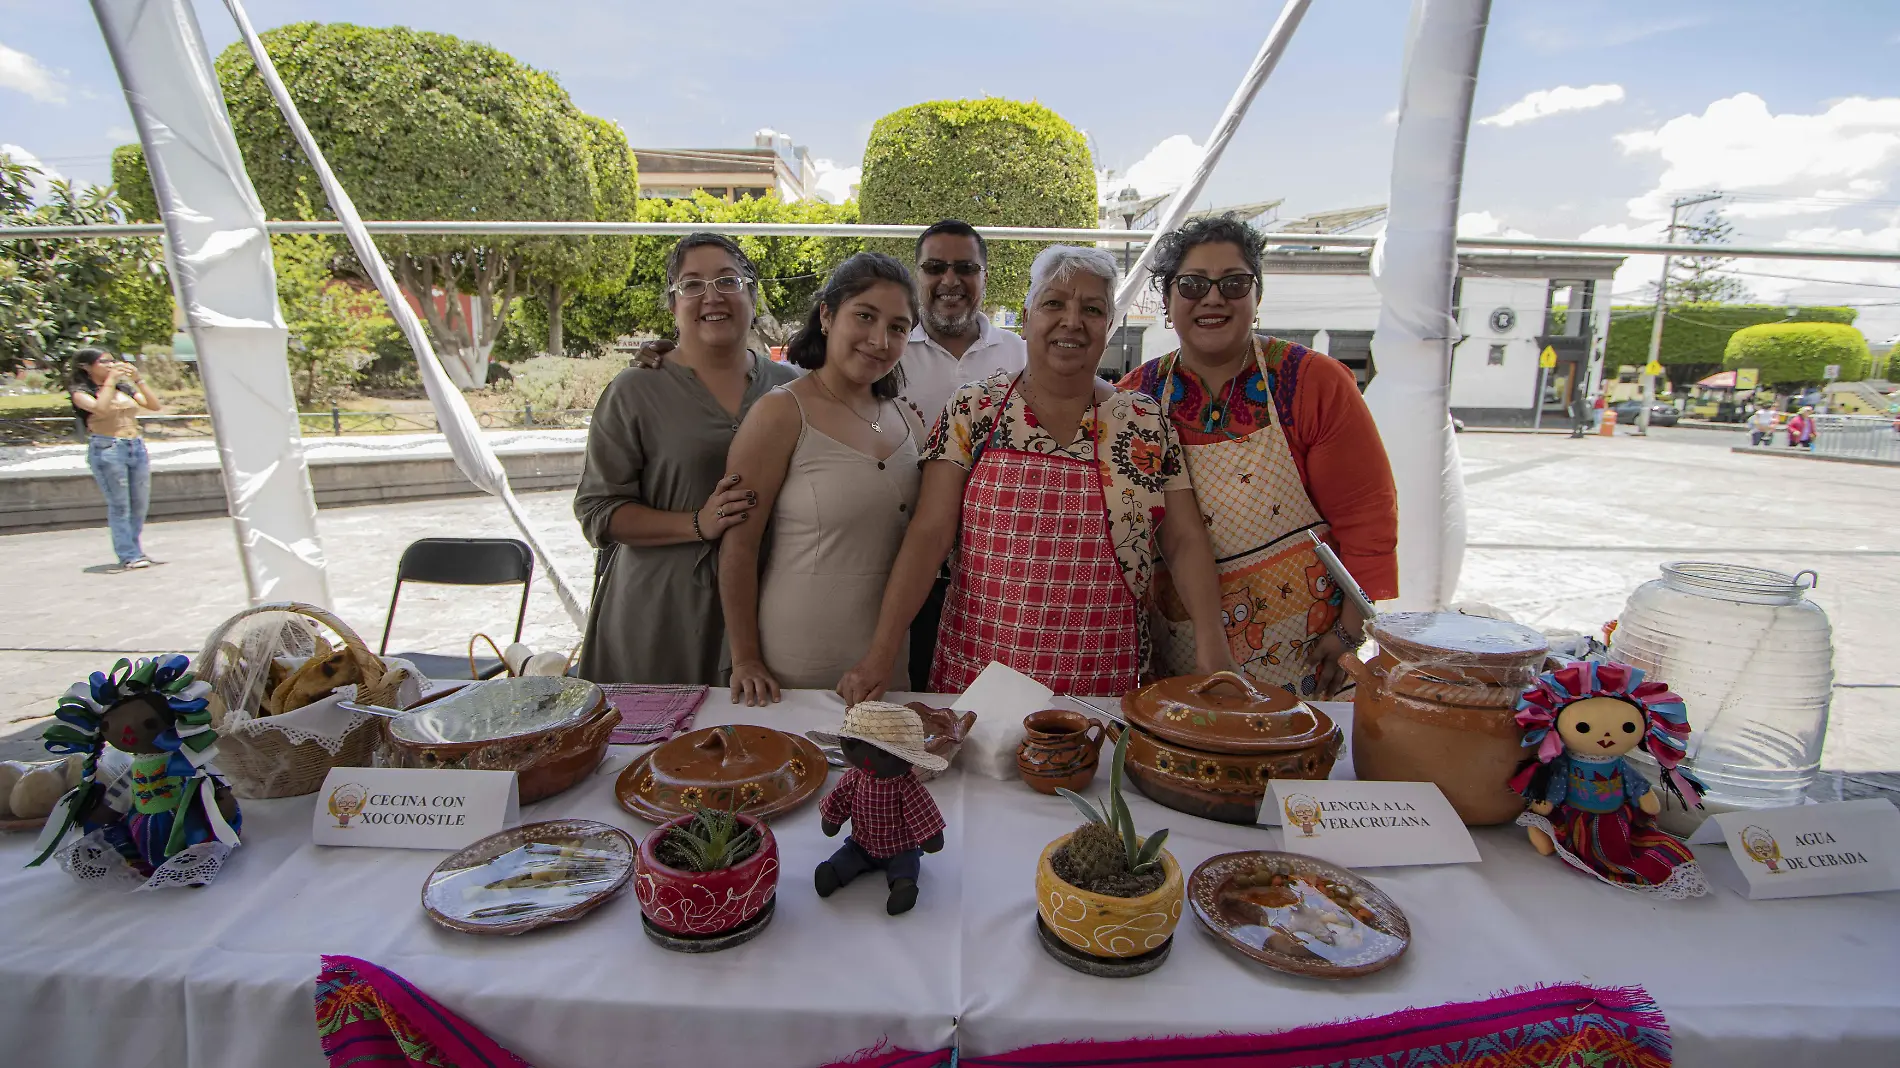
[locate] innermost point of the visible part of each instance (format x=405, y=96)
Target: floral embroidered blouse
x=1140, y=460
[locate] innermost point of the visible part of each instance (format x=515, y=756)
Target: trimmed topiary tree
x=1695, y=336
x=988, y=162
x=1797, y=354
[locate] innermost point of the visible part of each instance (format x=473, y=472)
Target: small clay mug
x=1060, y=749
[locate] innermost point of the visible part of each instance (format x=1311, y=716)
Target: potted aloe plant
x=1107, y=893
x=707, y=880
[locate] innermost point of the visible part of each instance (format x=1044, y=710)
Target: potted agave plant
x=706, y=881
x=1108, y=898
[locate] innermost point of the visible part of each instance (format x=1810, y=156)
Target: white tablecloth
x=223, y=976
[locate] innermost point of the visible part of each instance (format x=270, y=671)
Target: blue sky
x=1797, y=111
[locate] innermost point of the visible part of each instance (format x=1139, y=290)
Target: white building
x=1509, y=307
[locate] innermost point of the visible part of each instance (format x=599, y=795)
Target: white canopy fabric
x=1183, y=199
x=1415, y=264
x=471, y=450
x=220, y=261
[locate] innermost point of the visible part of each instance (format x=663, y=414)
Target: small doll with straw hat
x=1587, y=802
x=893, y=820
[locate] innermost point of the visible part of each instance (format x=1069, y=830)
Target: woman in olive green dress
x=652, y=493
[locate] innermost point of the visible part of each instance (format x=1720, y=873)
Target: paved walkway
x=203, y=452
x=1561, y=531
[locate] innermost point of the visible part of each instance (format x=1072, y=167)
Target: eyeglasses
x=1195, y=286
x=696, y=287
x=966, y=268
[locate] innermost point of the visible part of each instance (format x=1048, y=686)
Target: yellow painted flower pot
x=1105, y=926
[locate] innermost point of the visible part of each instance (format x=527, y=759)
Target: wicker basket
x=278, y=756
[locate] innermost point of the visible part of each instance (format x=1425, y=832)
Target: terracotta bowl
x=1222, y=786
x=701, y=903
x=1103, y=926
x=553, y=732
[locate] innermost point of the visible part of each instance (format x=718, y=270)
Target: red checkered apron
x=1036, y=584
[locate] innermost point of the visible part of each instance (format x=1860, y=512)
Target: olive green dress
x=659, y=438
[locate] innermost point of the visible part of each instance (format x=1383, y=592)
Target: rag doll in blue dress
x=1582, y=721
x=169, y=798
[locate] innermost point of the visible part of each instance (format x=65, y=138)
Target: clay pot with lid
x=1438, y=705
x=1207, y=744
x=736, y=766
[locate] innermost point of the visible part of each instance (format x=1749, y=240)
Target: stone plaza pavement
x=1560, y=532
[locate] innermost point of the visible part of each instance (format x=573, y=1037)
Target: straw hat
x=895, y=729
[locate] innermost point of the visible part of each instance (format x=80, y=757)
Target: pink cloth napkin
x=652, y=713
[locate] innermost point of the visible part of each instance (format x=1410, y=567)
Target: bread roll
x=38, y=791
x=10, y=772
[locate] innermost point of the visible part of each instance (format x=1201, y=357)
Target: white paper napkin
x=1000, y=697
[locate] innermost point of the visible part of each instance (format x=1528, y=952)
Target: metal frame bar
x=993, y=233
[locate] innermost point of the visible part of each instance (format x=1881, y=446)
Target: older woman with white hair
x=1058, y=494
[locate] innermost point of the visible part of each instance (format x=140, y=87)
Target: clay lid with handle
x=1453, y=637
x=1226, y=713
x=751, y=769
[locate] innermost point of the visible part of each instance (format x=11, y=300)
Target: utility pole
x=1662, y=295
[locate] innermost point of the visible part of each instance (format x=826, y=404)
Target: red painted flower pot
x=699, y=903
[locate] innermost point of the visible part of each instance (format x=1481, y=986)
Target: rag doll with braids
x=167, y=799
x=1588, y=802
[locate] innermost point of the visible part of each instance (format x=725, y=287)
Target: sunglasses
x=1195, y=286
x=966, y=268
x=696, y=287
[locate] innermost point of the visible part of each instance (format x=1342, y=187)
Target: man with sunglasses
x=952, y=343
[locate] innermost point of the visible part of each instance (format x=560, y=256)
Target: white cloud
x=44, y=182
x=1165, y=168
x=1737, y=144
x=1485, y=224
x=835, y=183
x=23, y=73
x=1546, y=102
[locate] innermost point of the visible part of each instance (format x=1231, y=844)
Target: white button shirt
x=931, y=374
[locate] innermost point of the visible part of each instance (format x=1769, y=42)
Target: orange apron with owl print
x=1276, y=596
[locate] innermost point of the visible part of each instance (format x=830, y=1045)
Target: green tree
x=1696, y=335
x=58, y=295
x=420, y=126
x=1798, y=354
x=988, y=162
x=791, y=270
x=1699, y=279
x=334, y=324
x=561, y=267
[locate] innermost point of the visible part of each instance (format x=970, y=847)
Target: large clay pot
x=1060, y=749
x=1103, y=926
x=551, y=731
x=1207, y=744
x=701, y=903
x=1438, y=705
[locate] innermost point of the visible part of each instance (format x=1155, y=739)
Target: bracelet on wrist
x=1340, y=631
x=697, y=533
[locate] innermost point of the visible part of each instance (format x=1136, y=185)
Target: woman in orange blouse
x=1278, y=442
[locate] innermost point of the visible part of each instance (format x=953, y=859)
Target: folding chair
x=461, y=562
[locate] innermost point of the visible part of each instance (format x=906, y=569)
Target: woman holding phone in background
x=107, y=396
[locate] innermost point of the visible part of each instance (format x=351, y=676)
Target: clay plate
x=552, y=888
x=785, y=777
x=1234, y=910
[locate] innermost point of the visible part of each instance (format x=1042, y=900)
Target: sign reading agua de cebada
x=411, y=808
x=1848, y=847
x=1368, y=824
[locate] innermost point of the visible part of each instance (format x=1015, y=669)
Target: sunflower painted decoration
x=150, y=805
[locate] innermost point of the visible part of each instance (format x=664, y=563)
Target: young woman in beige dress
x=833, y=458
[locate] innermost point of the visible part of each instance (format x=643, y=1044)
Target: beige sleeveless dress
x=836, y=528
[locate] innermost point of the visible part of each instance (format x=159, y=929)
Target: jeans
x=124, y=473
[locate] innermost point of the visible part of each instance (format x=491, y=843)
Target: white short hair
x=1059, y=263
